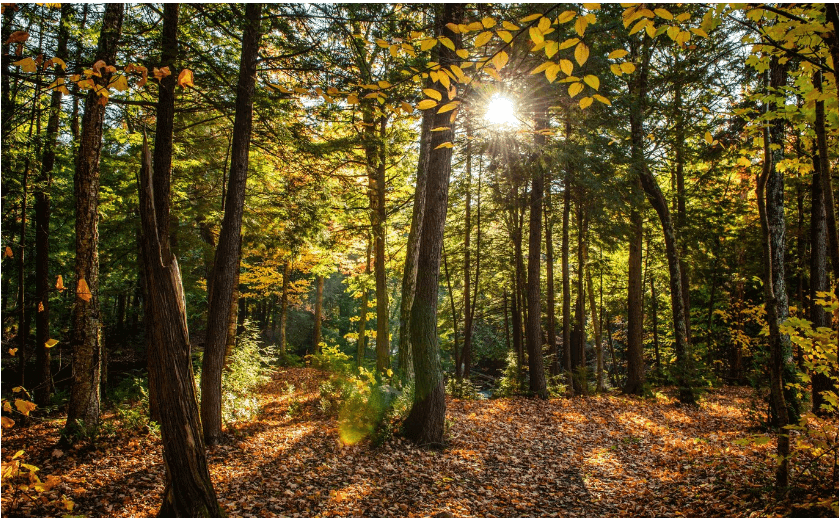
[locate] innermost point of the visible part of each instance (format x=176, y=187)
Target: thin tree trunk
x=318, y=313
x=458, y=373
x=553, y=368
x=362, y=312
x=818, y=275
x=595, y=322
x=566, y=274
x=284, y=307
x=681, y=209
x=825, y=173
x=466, y=355
x=654, y=300
x=87, y=340
x=426, y=420
x=579, y=338
x=228, y=252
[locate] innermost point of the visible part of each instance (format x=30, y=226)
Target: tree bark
x=87, y=340
x=824, y=170
x=318, y=313
x=409, y=275
x=284, y=307
x=44, y=387
x=425, y=422
x=566, y=274
x=553, y=368
x=818, y=274
x=226, y=264
x=189, y=491
x=466, y=355
x=598, y=338
x=635, y=377
x=362, y=312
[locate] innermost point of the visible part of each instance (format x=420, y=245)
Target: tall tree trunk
x=362, y=321
x=226, y=264
x=458, y=358
x=553, y=368
x=654, y=300
x=818, y=274
x=681, y=207
x=409, y=275
x=638, y=90
x=425, y=422
x=318, y=313
x=466, y=356
x=598, y=338
x=566, y=274
x=44, y=387
x=284, y=307
x=87, y=339
x=635, y=377
x=579, y=337
x=189, y=491
x=536, y=368
x=770, y=199
x=824, y=165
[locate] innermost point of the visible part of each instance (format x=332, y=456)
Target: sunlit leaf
x=483, y=38
x=567, y=66
x=567, y=44
x=447, y=42
x=426, y=104
x=617, y=54
x=536, y=35
x=27, y=65
x=551, y=48
x=580, y=26
x=627, y=68
x=592, y=81
x=552, y=71
x=59, y=283
x=186, y=78
x=488, y=22
x=50, y=343
x=581, y=53
x=709, y=138
x=505, y=35
x=509, y=26
x=434, y=94
x=531, y=17
x=427, y=44
x=462, y=53
x=574, y=89
x=585, y=102
x=445, y=145
x=24, y=407
x=8, y=253
x=499, y=60
x=12, y=351
x=541, y=68
x=602, y=99
x=448, y=107
x=544, y=24
x=663, y=13
x=83, y=291
x=566, y=16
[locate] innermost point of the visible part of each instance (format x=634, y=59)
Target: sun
x=501, y=111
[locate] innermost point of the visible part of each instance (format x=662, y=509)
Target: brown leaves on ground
x=594, y=456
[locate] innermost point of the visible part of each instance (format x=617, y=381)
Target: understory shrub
x=248, y=366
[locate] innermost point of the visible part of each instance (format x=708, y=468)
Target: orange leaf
x=17, y=37
x=59, y=283
x=185, y=78
x=83, y=291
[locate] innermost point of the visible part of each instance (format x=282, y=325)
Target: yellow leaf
x=709, y=138
x=617, y=54
x=580, y=26
x=475, y=26
x=509, y=26
x=434, y=94
x=483, y=38
x=574, y=89
x=603, y=99
x=536, y=35
x=592, y=81
x=639, y=26
x=448, y=107
x=26, y=64
x=567, y=44
x=581, y=53
x=407, y=108
x=186, y=78
x=454, y=28
x=683, y=17
x=488, y=22
x=159, y=73
x=444, y=79
x=56, y=61
x=651, y=29
x=458, y=72
x=59, y=282
x=544, y=24
x=462, y=53
x=427, y=44
x=8, y=253
x=447, y=42
x=699, y=32
x=627, y=68
x=551, y=48
x=683, y=37
x=13, y=351
x=426, y=104
x=566, y=66
x=442, y=128
x=445, y=145
x=531, y=17
x=50, y=343
x=499, y=60
x=585, y=102
x=542, y=67
x=119, y=83
x=24, y=407
x=7, y=423
x=352, y=99
x=663, y=13
x=384, y=84
x=506, y=36
x=551, y=72
x=83, y=291
x=592, y=7
x=382, y=43
x=493, y=74
x=673, y=32
x=566, y=16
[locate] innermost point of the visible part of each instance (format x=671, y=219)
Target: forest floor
x=594, y=456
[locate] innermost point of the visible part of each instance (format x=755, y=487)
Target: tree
x=87, y=338
x=228, y=252
x=425, y=422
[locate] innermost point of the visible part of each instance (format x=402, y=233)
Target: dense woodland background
x=195, y=194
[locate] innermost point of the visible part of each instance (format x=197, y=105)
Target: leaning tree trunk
x=426, y=420
x=226, y=264
x=189, y=491
x=43, y=388
x=87, y=339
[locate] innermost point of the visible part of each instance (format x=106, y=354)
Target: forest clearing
x=419, y=260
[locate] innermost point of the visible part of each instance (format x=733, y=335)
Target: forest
x=426, y=260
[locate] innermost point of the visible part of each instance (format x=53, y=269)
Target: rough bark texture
x=825, y=175
x=770, y=199
x=189, y=491
x=362, y=312
x=379, y=213
x=284, y=305
x=598, y=338
x=43, y=387
x=86, y=340
x=227, y=258
x=635, y=377
x=466, y=355
x=553, y=367
x=818, y=274
x=425, y=422
x=409, y=275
